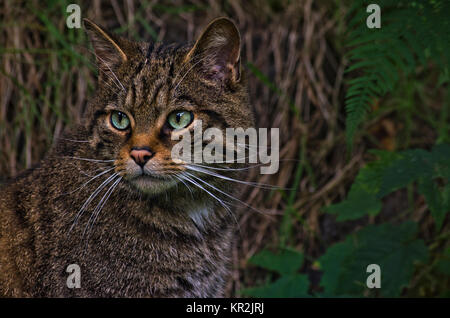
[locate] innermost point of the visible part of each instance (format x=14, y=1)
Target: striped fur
x=169, y=241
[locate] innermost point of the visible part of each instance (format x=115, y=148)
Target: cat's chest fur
x=121, y=255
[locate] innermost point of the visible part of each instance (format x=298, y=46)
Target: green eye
x=180, y=119
x=119, y=120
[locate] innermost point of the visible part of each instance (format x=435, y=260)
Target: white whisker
x=187, y=72
x=91, y=197
x=88, y=159
x=187, y=186
x=72, y=140
x=224, y=193
x=100, y=205
x=86, y=183
x=212, y=195
x=222, y=202
x=101, y=70
x=211, y=173
x=123, y=87
x=228, y=169
x=185, y=65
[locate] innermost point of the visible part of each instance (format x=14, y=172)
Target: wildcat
x=108, y=196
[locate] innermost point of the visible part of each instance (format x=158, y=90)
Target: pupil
x=179, y=115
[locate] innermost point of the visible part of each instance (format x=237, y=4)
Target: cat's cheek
x=105, y=141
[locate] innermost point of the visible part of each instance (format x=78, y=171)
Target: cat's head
x=148, y=93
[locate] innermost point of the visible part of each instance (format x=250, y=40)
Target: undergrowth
x=385, y=75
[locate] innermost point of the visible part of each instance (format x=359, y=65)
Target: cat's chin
x=152, y=185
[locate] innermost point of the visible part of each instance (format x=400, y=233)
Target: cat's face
x=150, y=93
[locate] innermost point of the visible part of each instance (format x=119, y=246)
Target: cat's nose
x=141, y=155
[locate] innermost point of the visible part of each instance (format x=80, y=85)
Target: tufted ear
x=217, y=51
x=110, y=50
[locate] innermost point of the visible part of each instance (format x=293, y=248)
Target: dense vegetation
x=413, y=35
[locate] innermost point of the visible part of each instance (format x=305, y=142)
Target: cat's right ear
x=110, y=50
x=217, y=51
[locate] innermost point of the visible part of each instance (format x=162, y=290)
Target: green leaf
x=437, y=201
x=443, y=265
x=291, y=286
x=362, y=199
x=358, y=204
x=286, y=262
x=414, y=165
x=441, y=160
x=394, y=171
x=392, y=247
x=332, y=263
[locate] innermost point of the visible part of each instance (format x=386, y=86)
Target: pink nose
x=141, y=155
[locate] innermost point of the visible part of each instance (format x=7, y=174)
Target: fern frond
x=411, y=34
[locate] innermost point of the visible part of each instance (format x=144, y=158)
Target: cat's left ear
x=110, y=50
x=217, y=51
